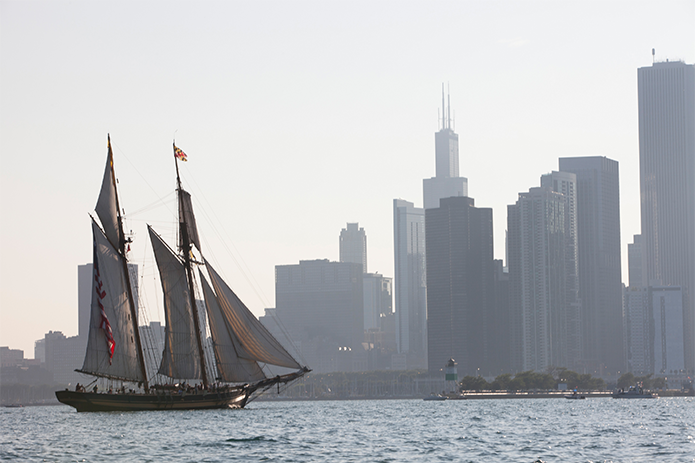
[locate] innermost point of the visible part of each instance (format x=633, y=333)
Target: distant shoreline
x=477, y=396
x=465, y=396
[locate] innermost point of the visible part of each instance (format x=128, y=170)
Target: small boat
x=634, y=392
x=575, y=396
x=437, y=397
x=193, y=374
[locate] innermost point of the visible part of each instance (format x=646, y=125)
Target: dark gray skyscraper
x=600, y=283
x=447, y=182
x=666, y=95
x=460, y=285
x=410, y=280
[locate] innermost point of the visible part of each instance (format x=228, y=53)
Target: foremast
x=185, y=242
x=122, y=252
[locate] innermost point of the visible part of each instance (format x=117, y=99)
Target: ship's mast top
x=186, y=251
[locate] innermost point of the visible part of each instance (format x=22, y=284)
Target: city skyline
x=298, y=131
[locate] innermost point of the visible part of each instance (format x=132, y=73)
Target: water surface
x=552, y=430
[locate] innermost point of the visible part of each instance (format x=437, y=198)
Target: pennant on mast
x=179, y=154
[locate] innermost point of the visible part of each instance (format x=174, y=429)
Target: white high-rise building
x=410, y=282
x=541, y=288
x=666, y=96
x=566, y=183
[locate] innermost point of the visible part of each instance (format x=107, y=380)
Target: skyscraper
x=447, y=182
x=410, y=282
x=321, y=304
x=567, y=184
x=540, y=286
x=638, y=330
x=460, y=285
x=85, y=287
x=667, y=312
x=500, y=331
x=636, y=277
x=378, y=299
x=600, y=283
x=353, y=245
x=666, y=97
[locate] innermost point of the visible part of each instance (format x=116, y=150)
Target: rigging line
x=248, y=275
x=245, y=271
x=286, y=334
x=160, y=310
x=140, y=174
x=168, y=199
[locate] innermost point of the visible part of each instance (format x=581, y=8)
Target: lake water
x=552, y=430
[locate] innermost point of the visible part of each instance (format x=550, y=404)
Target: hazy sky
x=297, y=117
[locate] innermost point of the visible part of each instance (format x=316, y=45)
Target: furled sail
x=111, y=349
x=180, y=358
x=107, y=207
x=186, y=216
x=255, y=342
x=230, y=367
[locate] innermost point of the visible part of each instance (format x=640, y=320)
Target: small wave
x=250, y=439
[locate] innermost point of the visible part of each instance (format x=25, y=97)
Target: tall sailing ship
x=186, y=378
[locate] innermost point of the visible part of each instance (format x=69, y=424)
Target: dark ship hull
x=225, y=397
x=98, y=402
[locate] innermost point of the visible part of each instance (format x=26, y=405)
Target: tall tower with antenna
x=446, y=182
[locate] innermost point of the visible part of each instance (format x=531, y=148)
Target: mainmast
x=121, y=250
x=186, y=250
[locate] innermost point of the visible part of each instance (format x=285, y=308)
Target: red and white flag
x=104, y=322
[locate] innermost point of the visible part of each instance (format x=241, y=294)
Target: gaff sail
x=230, y=367
x=187, y=217
x=255, y=342
x=180, y=359
x=107, y=204
x=110, y=295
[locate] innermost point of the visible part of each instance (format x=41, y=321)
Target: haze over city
x=297, y=118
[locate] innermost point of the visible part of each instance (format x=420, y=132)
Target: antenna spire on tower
x=448, y=113
x=443, y=109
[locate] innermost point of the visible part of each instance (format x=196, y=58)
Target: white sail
x=107, y=207
x=110, y=325
x=180, y=358
x=230, y=367
x=255, y=342
x=186, y=216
